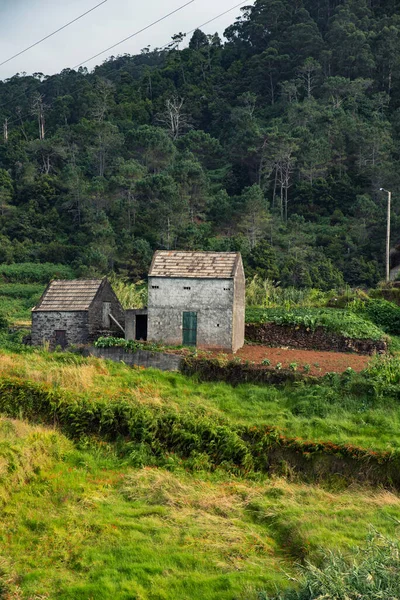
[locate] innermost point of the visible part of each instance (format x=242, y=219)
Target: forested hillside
x=274, y=141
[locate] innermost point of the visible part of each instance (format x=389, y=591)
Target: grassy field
x=86, y=521
x=320, y=412
x=77, y=523
x=17, y=301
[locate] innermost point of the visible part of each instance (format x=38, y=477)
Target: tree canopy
x=274, y=141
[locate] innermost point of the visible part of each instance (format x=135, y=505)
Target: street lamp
x=388, y=234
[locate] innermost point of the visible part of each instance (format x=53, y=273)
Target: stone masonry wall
x=45, y=324
x=96, y=313
x=273, y=335
x=141, y=358
x=211, y=299
x=239, y=309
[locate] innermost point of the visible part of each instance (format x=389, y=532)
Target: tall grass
x=131, y=295
x=369, y=573
x=266, y=294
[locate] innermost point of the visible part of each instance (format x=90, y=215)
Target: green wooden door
x=189, y=329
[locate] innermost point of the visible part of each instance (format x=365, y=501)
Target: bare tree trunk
x=38, y=109
x=275, y=188
x=5, y=131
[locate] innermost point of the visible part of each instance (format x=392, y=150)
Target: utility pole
x=388, y=233
x=5, y=131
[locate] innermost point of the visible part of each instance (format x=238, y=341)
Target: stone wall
x=130, y=322
x=96, y=326
x=45, y=324
x=320, y=339
x=211, y=299
x=141, y=358
x=239, y=308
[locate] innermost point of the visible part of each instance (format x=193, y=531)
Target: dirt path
x=315, y=363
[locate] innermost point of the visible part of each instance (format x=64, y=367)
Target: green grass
x=356, y=410
x=81, y=524
x=34, y=272
x=338, y=321
x=17, y=301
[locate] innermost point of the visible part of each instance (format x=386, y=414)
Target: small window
x=227, y=289
x=187, y=288
x=155, y=287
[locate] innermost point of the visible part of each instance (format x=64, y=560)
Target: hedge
x=242, y=448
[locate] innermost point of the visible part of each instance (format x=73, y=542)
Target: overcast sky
x=26, y=21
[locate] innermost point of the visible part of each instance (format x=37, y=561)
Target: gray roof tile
x=199, y=265
x=69, y=296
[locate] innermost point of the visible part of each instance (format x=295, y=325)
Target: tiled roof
x=199, y=265
x=69, y=296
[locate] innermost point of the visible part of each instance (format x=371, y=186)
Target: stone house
x=76, y=312
x=195, y=299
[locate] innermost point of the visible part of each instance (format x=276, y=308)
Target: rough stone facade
x=141, y=358
x=45, y=325
x=272, y=335
x=76, y=312
x=218, y=302
x=239, y=309
x=96, y=323
x=131, y=322
x=212, y=300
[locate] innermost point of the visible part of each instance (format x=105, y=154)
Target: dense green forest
x=273, y=141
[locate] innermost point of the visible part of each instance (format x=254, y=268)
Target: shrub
x=131, y=346
x=3, y=322
x=382, y=313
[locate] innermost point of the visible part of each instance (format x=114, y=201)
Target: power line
x=134, y=34
x=213, y=19
x=137, y=33
x=54, y=33
x=107, y=49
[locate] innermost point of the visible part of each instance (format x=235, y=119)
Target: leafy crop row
x=342, y=322
x=34, y=272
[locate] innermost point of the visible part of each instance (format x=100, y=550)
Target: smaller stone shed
x=76, y=312
x=197, y=299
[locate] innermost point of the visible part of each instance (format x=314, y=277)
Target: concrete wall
x=239, y=310
x=44, y=325
x=96, y=325
x=130, y=322
x=141, y=358
x=211, y=299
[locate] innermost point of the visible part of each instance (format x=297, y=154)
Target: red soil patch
x=320, y=362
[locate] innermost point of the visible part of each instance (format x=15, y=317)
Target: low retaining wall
x=141, y=358
x=277, y=336
x=236, y=373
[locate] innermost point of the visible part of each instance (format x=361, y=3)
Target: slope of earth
x=342, y=411
x=309, y=361
x=85, y=525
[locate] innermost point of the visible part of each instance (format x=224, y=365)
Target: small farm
x=119, y=481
